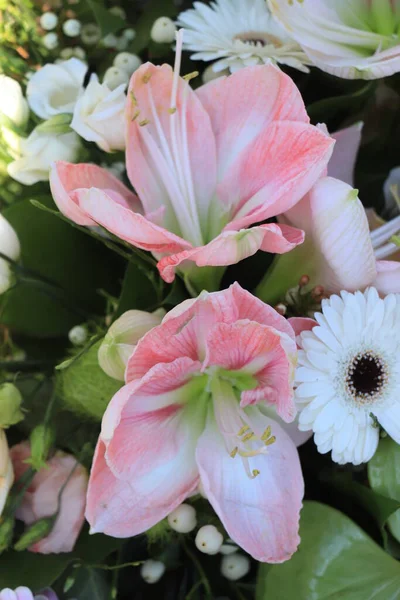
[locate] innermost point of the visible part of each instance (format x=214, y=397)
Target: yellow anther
x=271, y=440
x=255, y=472
x=146, y=77
x=234, y=452
x=172, y=111
x=133, y=98
x=248, y=437
x=266, y=434
x=249, y=453
x=243, y=430
x=190, y=76
x=135, y=115
x=144, y=122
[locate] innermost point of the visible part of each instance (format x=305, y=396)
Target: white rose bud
x=54, y=89
x=12, y=101
x=122, y=337
x=9, y=245
x=39, y=151
x=114, y=77
x=209, y=540
x=127, y=62
x=78, y=335
x=72, y=27
x=163, y=31
x=6, y=470
x=152, y=570
x=235, y=567
x=183, y=519
x=99, y=115
x=50, y=40
x=48, y=21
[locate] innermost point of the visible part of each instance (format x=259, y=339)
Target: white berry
x=78, y=335
x=127, y=61
x=72, y=27
x=110, y=41
x=129, y=34
x=235, y=566
x=48, y=21
x=66, y=53
x=50, y=41
x=183, y=519
x=209, y=540
x=163, y=31
x=79, y=52
x=152, y=570
x=228, y=549
x=90, y=34
x=114, y=77
x=118, y=11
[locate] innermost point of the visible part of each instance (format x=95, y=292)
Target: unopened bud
x=152, y=570
x=41, y=440
x=35, y=532
x=209, y=540
x=281, y=309
x=318, y=291
x=235, y=566
x=78, y=335
x=10, y=405
x=183, y=519
x=163, y=31
x=304, y=280
x=6, y=533
x=121, y=338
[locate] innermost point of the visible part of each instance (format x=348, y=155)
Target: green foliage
x=154, y=9
x=336, y=559
x=107, y=22
x=384, y=477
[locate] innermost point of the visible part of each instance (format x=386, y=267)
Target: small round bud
x=79, y=52
x=235, y=567
x=41, y=439
x=72, y=27
x=304, y=280
x=122, y=44
x=78, y=335
x=50, y=41
x=10, y=405
x=113, y=77
x=129, y=34
x=152, y=570
x=127, y=62
x=183, y=519
x=90, y=34
x=281, y=309
x=317, y=292
x=163, y=31
x=209, y=540
x=228, y=549
x=110, y=41
x=118, y=11
x=66, y=53
x=48, y=21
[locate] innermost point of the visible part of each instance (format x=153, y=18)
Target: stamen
x=135, y=115
x=146, y=77
x=191, y=76
x=384, y=238
x=266, y=434
x=248, y=437
x=271, y=440
x=243, y=430
x=255, y=472
x=234, y=452
x=144, y=122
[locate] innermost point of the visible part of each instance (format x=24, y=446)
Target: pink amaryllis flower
x=206, y=166
x=191, y=412
x=24, y=593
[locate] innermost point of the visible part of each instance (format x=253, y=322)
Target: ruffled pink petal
x=128, y=225
x=172, y=146
x=230, y=247
x=262, y=514
x=260, y=351
x=343, y=161
x=244, y=104
x=274, y=172
x=65, y=178
x=387, y=280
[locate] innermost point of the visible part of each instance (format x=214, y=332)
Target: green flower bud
x=10, y=405
x=35, y=532
x=57, y=124
x=6, y=533
x=41, y=439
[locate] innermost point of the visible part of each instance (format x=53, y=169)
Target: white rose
x=6, y=470
x=12, y=101
x=39, y=151
x=54, y=89
x=9, y=245
x=99, y=115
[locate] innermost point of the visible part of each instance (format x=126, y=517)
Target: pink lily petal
x=260, y=351
x=65, y=178
x=262, y=514
x=343, y=161
x=244, y=104
x=172, y=147
x=127, y=225
x=230, y=247
x=275, y=172
x=387, y=280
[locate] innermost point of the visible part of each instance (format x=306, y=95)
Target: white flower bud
x=152, y=570
x=12, y=101
x=50, y=41
x=163, y=31
x=129, y=34
x=78, y=335
x=235, y=567
x=66, y=53
x=6, y=470
x=228, y=549
x=209, y=74
x=79, y=53
x=118, y=11
x=110, y=41
x=127, y=62
x=122, y=337
x=48, y=21
x=90, y=34
x=114, y=77
x=72, y=27
x=209, y=540
x=183, y=519
x=9, y=243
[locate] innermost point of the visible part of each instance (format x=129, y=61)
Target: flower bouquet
x=199, y=311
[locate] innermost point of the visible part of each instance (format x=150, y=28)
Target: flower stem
x=200, y=570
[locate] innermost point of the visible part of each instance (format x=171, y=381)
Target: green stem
x=200, y=570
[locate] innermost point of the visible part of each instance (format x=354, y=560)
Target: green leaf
x=154, y=10
x=90, y=584
x=107, y=22
x=139, y=289
x=336, y=559
x=76, y=266
x=384, y=477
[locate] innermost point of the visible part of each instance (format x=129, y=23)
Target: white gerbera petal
x=348, y=378
x=239, y=33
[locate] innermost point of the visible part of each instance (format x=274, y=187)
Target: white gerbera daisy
x=348, y=378
x=238, y=33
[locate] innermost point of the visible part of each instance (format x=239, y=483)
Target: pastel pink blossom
x=192, y=412
x=24, y=593
x=207, y=165
x=42, y=498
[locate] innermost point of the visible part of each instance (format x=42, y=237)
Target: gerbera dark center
x=258, y=39
x=366, y=376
